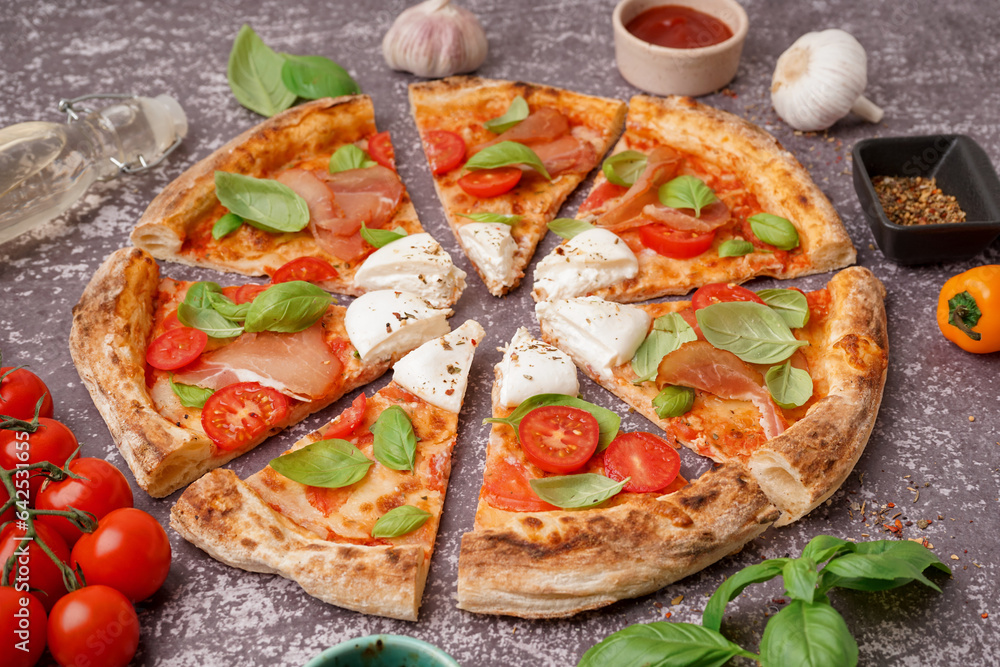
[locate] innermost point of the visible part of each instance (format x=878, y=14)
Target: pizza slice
x=692, y=195
x=190, y=375
x=351, y=511
x=505, y=155
x=308, y=194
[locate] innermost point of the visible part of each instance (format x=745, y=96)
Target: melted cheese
x=438, y=370
x=386, y=323
x=530, y=367
x=415, y=263
x=587, y=262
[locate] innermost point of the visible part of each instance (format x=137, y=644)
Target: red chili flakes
x=890, y=504
x=984, y=615
x=896, y=527
x=916, y=201
x=778, y=600
x=668, y=614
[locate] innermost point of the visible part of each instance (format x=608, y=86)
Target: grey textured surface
x=933, y=67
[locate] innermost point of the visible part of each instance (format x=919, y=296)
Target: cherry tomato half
x=485, y=183
x=20, y=390
x=171, y=321
x=380, y=148
x=673, y=243
x=604, y=192
x=52, y=442
x=445, y=150
x=309, y=269
x=249, y=292
x=94, y=625
x=650, y=462
x=506, y=487
x=22, y=624
x=722, y=293
x=239, y=413
x=129, y=552
x=103, y=488
x=43, y=576
x=349, y=419
x=176, y=348
x=558, y=438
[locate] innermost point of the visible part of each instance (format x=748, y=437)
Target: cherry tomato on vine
x=22, y=624
x=485, y=183
x=445, y=150
x=238, y=413
x=310, y=269
x=33, y=565
x=8, y=515
x=558, y=438
x=103, y=489
x=20, y=390
x=650, y=462
x=94, y=625
x=349, y=419
x=129, y=552
x=721, y=293
x=380, y=148
x=507, y=487
x=52, y=442
x=673, y=243
x=176, y=348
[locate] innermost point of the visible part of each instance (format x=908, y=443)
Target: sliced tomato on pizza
x=351, y=511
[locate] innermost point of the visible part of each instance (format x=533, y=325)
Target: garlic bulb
x=819, y=79
x=435, y=39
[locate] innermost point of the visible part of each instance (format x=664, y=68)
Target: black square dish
x=962, y=169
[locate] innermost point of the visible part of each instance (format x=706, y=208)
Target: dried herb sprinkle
x=914, y=200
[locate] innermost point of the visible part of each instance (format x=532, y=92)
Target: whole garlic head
x=435, y=39
x=819, y=79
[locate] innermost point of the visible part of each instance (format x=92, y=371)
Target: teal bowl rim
x=443, y=659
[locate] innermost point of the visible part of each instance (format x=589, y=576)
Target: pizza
x=563, y=526
x=359, y=534
x=692, y=195
x=297, y=190
x=188, y=376
x=505, y=155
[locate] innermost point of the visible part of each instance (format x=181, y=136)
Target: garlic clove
x=435, y=39
x=820, y=79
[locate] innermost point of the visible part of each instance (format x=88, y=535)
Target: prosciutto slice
x=539, y=127
x=661, y=166
x=566, y=154
x=300, y=365
x=712, y=217
x=547, y=132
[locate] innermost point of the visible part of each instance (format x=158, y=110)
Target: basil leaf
x=226, y=225
x=790, y=387
x=199, y=294
x=607, y=420
x=664, y=645
x=208, y=320
x=225, y=306
x=287, y=307
x=313, y=77
x=395, y=442
x=791, y=304
x=673, y=401
x=330, y=464
x=492, y=217
x=800, y=577
x=261, y=202
x=774, y=230
x=916, y=554
x=349, y=157
x=400, y=521
x=808, y=634
x=381, y=237
x=735, y=248
x=625, y=168
x=753, y=332
x=872, y=572
x=711, y=618
x=516, y=112
x=254, y=74
x=687, y=192
x=190, y=395
x=669, y=332
x=824, y=547
x=576, y=491
x=569, y=227
x=505, y=154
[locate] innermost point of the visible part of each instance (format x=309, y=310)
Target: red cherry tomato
x=103, y=488
x=239, y=413
x=171, y=321
x=692, y=320
x=247, y=293
x=348, y=421
x=20, y=390
x=129, y=552
x=380, y=148
x=485, y=183
x=722, y=293
x=601, y=194
x=32, y=564
x=52, y=442
x=445, y=150
x=230, y=291
x=675, y=244
x=176, y=348
x=558, y=438
x=506, y=487
x=94, y=625
x=8, y=514
x=310, y=269
x=22, y=627
x=650, y=462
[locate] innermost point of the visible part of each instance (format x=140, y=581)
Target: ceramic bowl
x=666, y=71
x=383, y=651
x=962, y=169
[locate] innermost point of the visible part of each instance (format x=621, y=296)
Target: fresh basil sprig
x=791, y=304
x=262, y=202
x=330, y=464
x=790, y=387
x=752, y=331
x=774, y=230
x=687, y=192
x=400, y=521
x=569, y=227
x=197, y=311
x=287, y=307
x=505, y=154
x=220, y=303
x=663, y=643
x=226, y=225
x=673, y=401
x=254, y=74
x=395, y=444
x=313, y=77
x=625, y=168
x=607, y=421
x=381, y=237
x=669, y=332
x=190, y=396
x=735, y=248
x=576, y=491
x=349, y=157
x=492, y=217
x=516, y=112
